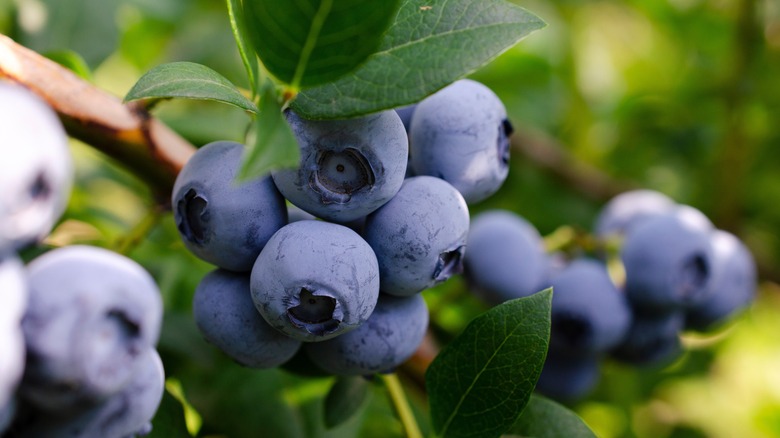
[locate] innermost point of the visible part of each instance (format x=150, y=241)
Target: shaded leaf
x=311, y=42
x=544, y=418
x=274, y=144
x=480, y=383
x=238, y=25
x=431, y=44
x=347, y=396
x=188, y=80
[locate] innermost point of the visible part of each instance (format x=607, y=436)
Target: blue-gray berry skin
x=348, y=168
x=91, y=315
x=461, y=134
x=732, y=287
x=589, y=314
x=390, y=336
x=13, y=296
x=405, y=113
x=568, y=378
x=419, y=237
x=652, y=339
x=505, y=258
x=36, y=171
x=629, y=208
x=127, y=413
x=667, y=262
x=226, y=316
x=315, y=280
x=219, y=220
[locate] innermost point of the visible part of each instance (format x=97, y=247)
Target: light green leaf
x=274, y=144
x=188, y=80
x=544, y=418
x=310, y=42
x=431, y=44
x=238, y=24
x=72, y=61
x=480, y=383
x=346, y=397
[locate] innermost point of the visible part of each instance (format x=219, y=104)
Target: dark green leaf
x=238, y=24
x=479, y=384
x=431, y=44
x=274, y=145
x=190, y=81
x=544, y=418
x=310, y=42
x=169, y=421
x=72, y=61
x=347, y=396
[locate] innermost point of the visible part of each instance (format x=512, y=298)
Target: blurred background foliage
x=680, y=96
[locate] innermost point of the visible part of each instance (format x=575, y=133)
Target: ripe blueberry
x=227, y=318
x=390, y=336
x=505, y=258
x=348, y=168
x=419, y=237
x=315, y=280
x=219, y=220
x=36, y=171
x=461, y=134
x=91, y=315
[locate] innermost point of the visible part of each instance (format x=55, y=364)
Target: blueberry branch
x=126, y=133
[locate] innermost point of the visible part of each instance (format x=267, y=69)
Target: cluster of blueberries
x=378, y=212
x=78, y=324
x=678, y=273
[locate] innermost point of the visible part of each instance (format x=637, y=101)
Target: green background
x=680, y=96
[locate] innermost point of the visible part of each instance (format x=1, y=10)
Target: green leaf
x=72, y=61
x=310, y=42
x=479, y=384
x=544, y=418
x=190, y=81
x=431, y=44
x=169, y=421
x=347, y=396
x=238, y=24
x=274, y=144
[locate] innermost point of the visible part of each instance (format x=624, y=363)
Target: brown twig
x=125, y=132
x=547, y=154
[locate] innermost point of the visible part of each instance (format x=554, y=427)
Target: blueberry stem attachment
x=401, y=405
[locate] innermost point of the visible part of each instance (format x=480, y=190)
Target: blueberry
x=652, y=339
x=628, y=208
x=126, y=413
x=348, y=168
x=505, y=258
x=461, y=134
x=733, y=284
x=219, y=220
x=37, y=175
x=589, y=314
x=405, y=113
x=91, y=315
x=315, y=280
x=568, y=378
x=667, y=261
x=227, y=318
x=419, y=237
x=13, y=289
x=390, y=336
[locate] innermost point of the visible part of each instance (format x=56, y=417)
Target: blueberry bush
x=342, y=218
